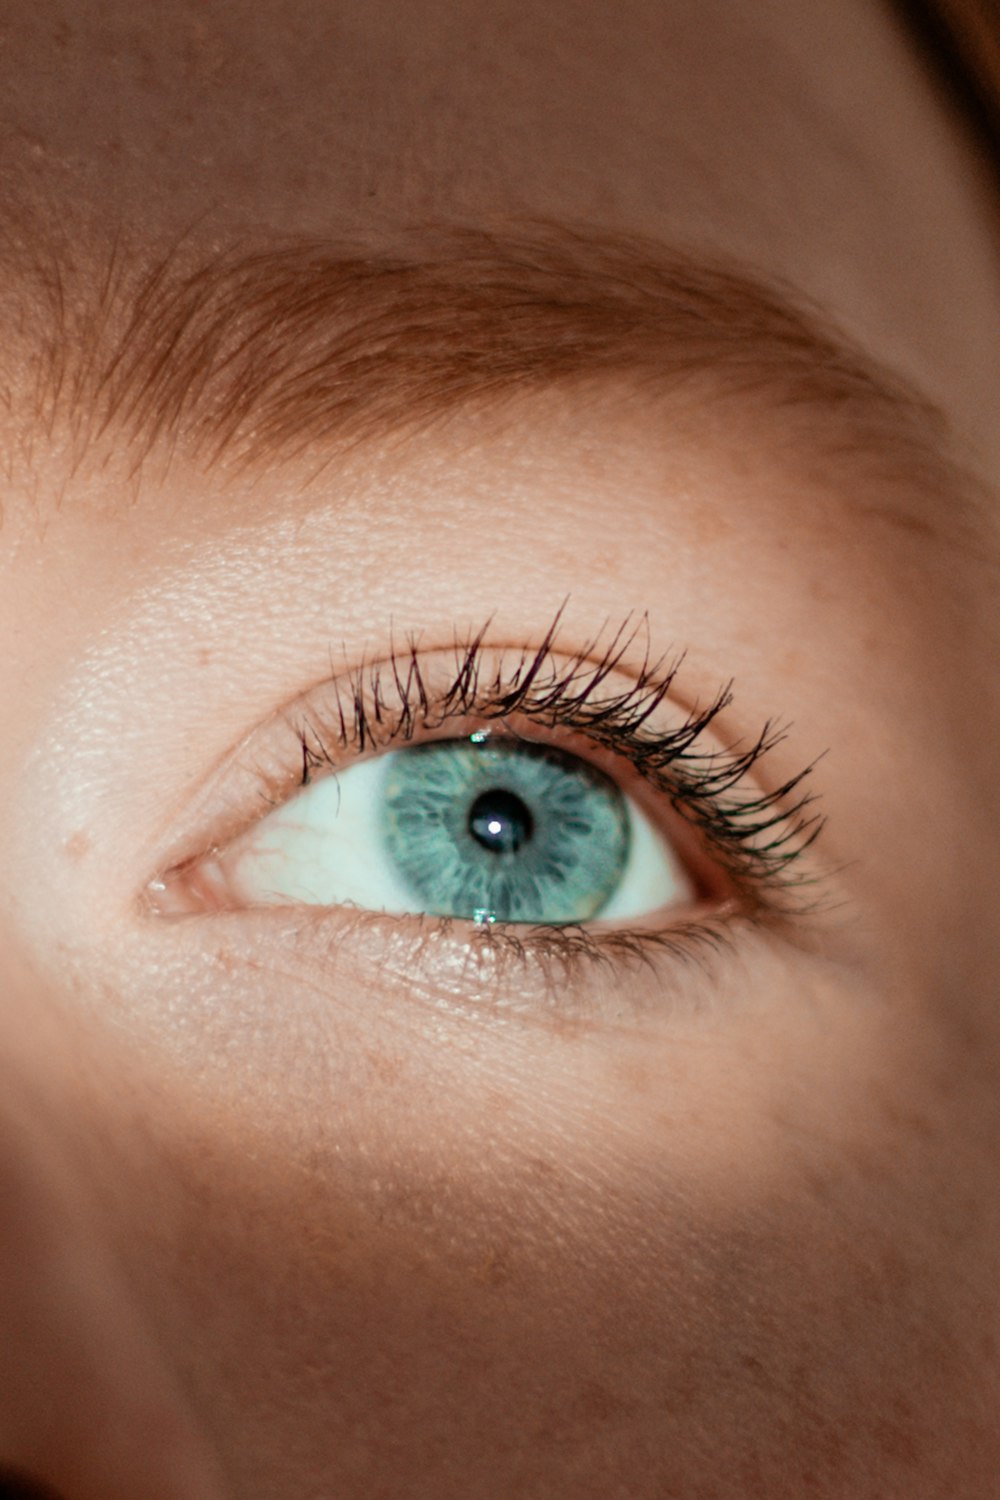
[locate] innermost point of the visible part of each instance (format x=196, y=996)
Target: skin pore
x=306, y=1202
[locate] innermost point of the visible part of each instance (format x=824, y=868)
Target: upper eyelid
x=595, y=674
x=302, y=711
x=529, y=691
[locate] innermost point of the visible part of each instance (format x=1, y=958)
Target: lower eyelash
x=758, y=838
x=568, y=951
x=543, y=970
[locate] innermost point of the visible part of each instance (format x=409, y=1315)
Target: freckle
x=494, y=1270
x=204, y=656
x=540, y=1169
x=820, y=1186
x=78, y=845
x=386, y=1068
x=713, y=527
x=597, y=1405
x=634, y=1076
x=901, y=1444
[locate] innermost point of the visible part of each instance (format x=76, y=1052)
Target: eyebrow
x=252, y=354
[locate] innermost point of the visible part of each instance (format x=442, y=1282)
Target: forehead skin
x=442, y=1253
x=800, y=137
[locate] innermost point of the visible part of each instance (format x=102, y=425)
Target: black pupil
x=500, y=821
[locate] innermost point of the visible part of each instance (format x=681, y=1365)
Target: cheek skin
x=382, y=1243
x=87, y=1397
x=751, y=1251
x=726, y=1255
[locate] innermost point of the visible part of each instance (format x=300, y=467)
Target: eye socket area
x=727, y=843
x=495, y=826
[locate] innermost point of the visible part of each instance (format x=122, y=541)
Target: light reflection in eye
x=372, y=809
x=486, y=830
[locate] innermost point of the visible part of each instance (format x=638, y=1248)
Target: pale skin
x=294, y=1214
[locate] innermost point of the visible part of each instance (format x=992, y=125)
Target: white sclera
x=325, y=848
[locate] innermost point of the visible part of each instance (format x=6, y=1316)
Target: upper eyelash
x=758, y=838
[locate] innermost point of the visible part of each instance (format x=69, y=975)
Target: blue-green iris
x=504, y=831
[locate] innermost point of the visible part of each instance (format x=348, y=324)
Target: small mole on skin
x=494, y=1270
x=77, y=845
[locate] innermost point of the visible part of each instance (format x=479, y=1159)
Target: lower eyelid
x=544, y=976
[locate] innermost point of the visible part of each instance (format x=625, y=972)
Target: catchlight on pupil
x=500, y=821
x=484, y=829
x=519, y=831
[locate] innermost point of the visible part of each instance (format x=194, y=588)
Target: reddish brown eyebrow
x=254, y=353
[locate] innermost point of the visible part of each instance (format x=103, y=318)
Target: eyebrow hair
x=256, y=353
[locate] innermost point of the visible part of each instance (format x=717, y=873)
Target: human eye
x=556, y=795
x=493, y=827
